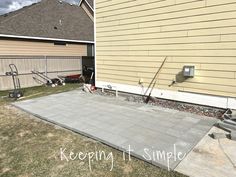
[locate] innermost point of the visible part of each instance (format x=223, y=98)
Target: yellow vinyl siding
x=133, y=38
x=29, y=48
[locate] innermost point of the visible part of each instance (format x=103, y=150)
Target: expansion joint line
x=228, y=157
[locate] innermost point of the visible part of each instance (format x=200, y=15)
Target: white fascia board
x=201, y=99
x=45, y=39
x=89, y=5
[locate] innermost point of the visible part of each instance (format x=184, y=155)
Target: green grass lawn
x=39, y=91
x=31, y=147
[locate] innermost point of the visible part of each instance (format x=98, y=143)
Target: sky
x=12, y=5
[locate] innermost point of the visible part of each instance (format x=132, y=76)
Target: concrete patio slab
x=160, y=136
x=211, y=158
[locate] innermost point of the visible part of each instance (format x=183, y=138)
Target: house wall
x=29, y=48
x=40, y=56
x=134, y=37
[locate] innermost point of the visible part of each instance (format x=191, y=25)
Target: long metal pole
x=155, y=78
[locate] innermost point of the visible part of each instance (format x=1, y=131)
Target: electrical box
x=188, y=71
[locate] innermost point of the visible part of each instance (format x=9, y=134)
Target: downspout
x=46, y=65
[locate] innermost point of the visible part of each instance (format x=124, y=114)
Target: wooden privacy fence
x=50, y=65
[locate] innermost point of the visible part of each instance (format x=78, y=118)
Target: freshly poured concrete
x=120, y=124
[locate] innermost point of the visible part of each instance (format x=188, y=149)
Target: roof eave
x=87, y=4
x=45, y=39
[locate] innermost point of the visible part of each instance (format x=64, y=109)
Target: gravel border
x=171, y=104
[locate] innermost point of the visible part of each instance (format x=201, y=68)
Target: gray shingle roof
x=49, y=19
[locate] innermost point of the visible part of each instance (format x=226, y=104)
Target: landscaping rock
x=186, y=107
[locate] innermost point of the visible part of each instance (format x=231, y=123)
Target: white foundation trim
x=208, y=100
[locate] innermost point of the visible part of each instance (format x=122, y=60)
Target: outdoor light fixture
x=188, y=71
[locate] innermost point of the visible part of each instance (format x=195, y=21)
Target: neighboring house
x=51, y=36
x=134, y=37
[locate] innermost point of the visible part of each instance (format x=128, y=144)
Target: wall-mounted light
x=188, y=71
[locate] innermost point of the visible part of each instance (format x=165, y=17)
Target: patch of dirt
x=128, y=169
x=4, y=170
x=4, y=138
x=200, y=151
x=25, y=175
x=23, y=133
x=49, y=135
